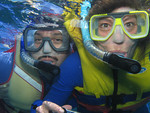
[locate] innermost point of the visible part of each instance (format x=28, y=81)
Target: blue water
x=15, y=15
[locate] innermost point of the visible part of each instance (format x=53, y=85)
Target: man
x=33, y=63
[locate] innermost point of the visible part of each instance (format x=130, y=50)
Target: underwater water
x=15, y=15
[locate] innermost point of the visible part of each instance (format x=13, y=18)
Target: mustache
x=55, y=58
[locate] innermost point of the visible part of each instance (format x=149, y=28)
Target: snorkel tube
x=126, y=64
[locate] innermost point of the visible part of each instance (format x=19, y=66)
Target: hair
x=107, y=6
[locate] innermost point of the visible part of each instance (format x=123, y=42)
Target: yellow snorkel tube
x=129, y=65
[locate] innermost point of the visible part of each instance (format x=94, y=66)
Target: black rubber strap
x=114, y=96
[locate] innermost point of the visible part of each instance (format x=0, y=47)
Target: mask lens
x=30, y=41
x=101, y=27
x=130, y=23
x=105, y=25
x=57, y=39
x=35, y=39
x=135, y=25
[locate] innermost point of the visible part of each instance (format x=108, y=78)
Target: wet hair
x=48, y=19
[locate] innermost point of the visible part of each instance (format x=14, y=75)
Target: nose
x=118, y=35
x=46, y=47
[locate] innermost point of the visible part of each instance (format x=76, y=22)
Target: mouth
x=48, y=59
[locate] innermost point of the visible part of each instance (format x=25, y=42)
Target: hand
x=50, y=107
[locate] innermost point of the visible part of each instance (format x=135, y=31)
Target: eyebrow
x=106, y=19
x=37, y=33
x=129, y=17
x=57, y=33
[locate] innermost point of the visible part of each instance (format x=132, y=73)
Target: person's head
x=48, y=40
x=116, y=26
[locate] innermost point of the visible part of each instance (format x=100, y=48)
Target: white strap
x=27, y=78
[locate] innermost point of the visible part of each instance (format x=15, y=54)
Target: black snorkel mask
x=58, y=38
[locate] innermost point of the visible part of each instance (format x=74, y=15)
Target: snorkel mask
x=141, y=25
x=58, y=40
x=135, y=25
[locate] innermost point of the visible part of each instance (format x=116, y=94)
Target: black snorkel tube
x=123, y=63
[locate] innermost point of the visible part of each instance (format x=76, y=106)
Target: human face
x=47, y=53
x=119, y=43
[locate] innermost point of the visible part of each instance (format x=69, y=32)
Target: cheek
x=102, y=45
x=103, y=33
x=131, y=48
x=36, y=45
x=134, y=31
x=61, y=58
x=35, y=55
x=131, y=42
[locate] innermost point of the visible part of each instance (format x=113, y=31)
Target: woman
x=116, y=27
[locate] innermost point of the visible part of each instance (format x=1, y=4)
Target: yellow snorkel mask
x=135, y=24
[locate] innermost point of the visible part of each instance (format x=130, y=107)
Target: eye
x=104, y=26
x=57, y=40
x=38, y=40
x=129, y=24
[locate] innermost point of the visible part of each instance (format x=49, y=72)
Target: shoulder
x=73, y=60
x=71, y=70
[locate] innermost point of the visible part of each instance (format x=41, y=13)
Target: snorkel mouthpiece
x=126, y=64
x=47, y=67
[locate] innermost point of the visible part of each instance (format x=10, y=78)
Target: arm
x=70, y=76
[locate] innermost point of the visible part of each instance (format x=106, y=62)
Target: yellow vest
x=98, y=77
